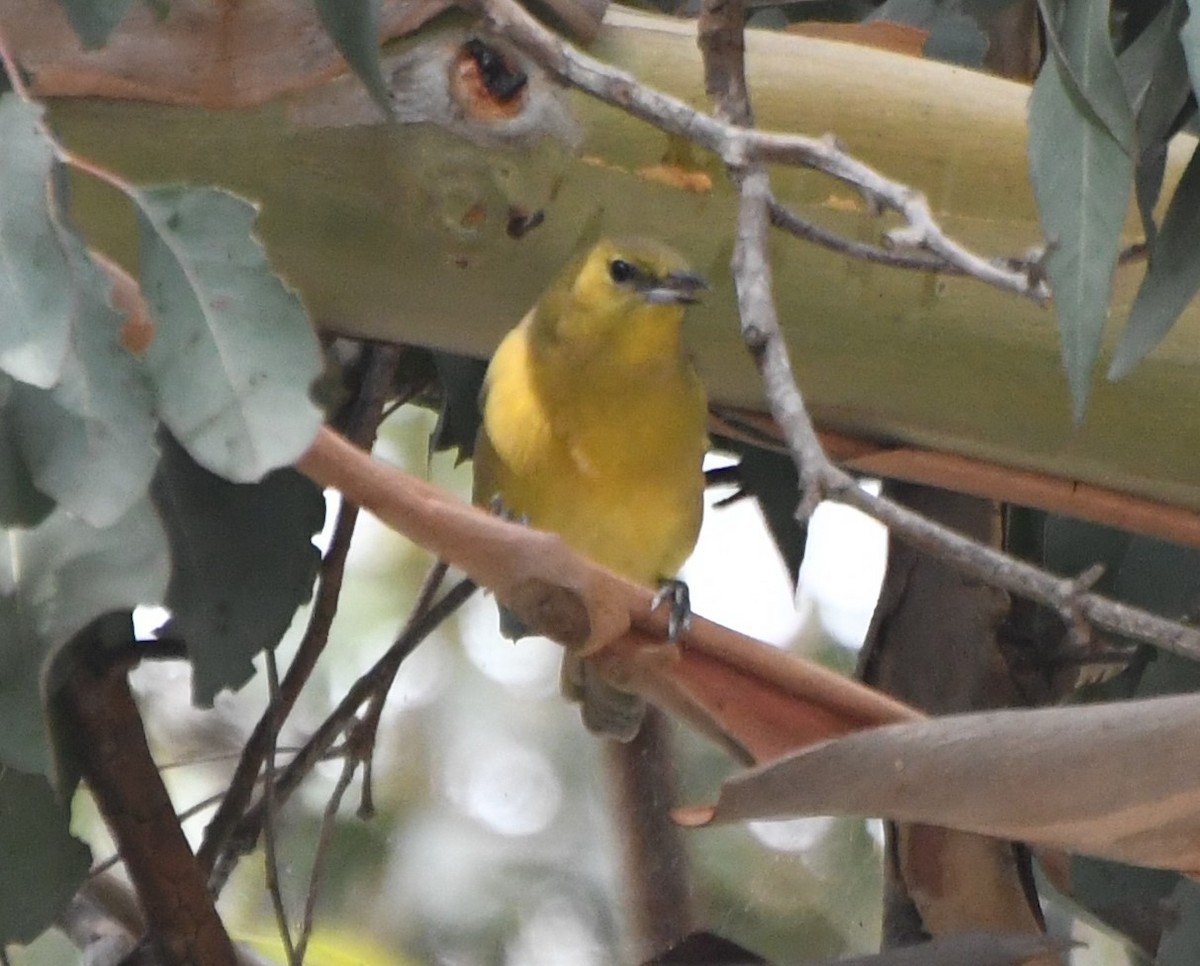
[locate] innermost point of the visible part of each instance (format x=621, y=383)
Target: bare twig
x=739, y=146
x=367, y=730
x=245, y=834
x=361, y=423
x=270, y=853
x=349, y=766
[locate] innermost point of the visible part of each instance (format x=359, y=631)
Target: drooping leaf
x=234, y=353
x=89, y=441
x=354, y=27
x=94, y=20
x=43, y=863
x=55, y=579
x=1133, y=900
x=1117, y=780
x=35, y=298
x=1182, y=938
x=1154, y=71
x=1079, y=40
x=243, y=562
x=953, y=35
x=1172, y=279
x=22, y=504
x=772, y=480
x=460, y=379
x=1080, y=137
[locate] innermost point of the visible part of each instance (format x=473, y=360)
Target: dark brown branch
x=115, y=759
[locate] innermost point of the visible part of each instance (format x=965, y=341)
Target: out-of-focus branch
x=739, y=146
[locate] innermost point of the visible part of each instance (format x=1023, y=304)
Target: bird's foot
x=496, y=505
x=679, y=618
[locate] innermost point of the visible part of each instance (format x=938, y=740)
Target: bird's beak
x=676, y=288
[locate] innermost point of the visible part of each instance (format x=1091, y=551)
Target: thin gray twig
x=739, y=146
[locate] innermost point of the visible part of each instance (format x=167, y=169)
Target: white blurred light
x=555, y=935
x=875, y=830
x=792, y=835
x=528, y=666
x=843, y=568
x=736, y=576
x=511, y=788
x=147, y=620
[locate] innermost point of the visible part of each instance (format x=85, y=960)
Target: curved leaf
x=1172, y=279
x=89, y=441
x=22, y=504
x=35, y=301
x=55, y=580
x=354, y=27
x=243, y=560
x=94, y=20
x=234, y=354
x=43, y=863
x=1119, y=780
x=1082, y=174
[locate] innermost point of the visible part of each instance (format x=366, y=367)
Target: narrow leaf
x=354, y=27
x=35, y=297
x=1154, y=70
x=1078, y=38
x=1119, y=780
x=243, y=562
x=234, y=354
x=55, y=580
x=1172, y=279
x=94, y=20
x=43, y=863
x=1082, y=175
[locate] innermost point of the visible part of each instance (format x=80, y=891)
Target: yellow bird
x=594, y=428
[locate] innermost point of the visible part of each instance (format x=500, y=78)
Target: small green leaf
x=89, y=441
x=1181, y=938
x=22, y=504
x=44, y=864
x=1154, y=70
x=35, y=297
x=354, y=27
x=94, y=20
x=1077, y=34
x=243, y=562
x=234, y=353
x=1172, y=279
x=460, y=379
x=1082, y=177
x=55, y=580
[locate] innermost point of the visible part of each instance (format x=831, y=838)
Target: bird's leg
x=512, y=628
x=680, y=617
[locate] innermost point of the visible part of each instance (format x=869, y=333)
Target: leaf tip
x=694, y=816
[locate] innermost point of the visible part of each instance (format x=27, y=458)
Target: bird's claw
x=679, y=618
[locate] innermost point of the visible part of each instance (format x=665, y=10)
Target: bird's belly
x=642, y=528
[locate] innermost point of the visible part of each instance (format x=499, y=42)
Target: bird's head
x=627, y=295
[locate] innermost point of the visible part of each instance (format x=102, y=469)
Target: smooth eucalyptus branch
x=739, y=146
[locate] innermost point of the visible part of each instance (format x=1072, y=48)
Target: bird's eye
x=621, y=270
